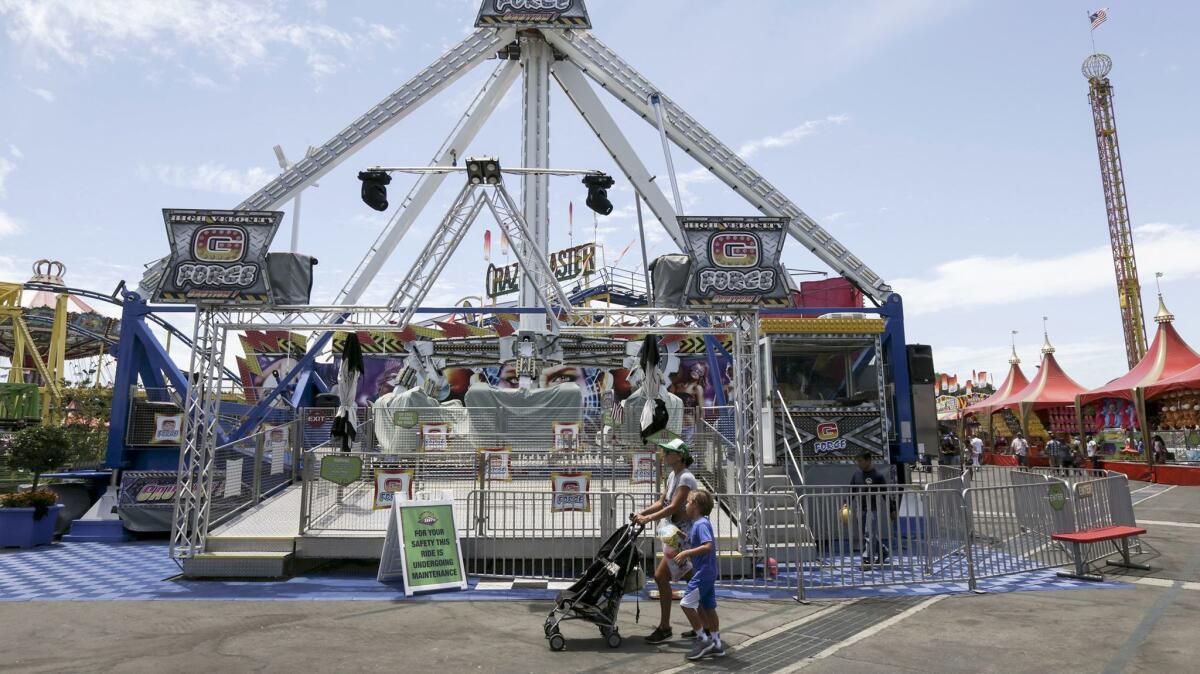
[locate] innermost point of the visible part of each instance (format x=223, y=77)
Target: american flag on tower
x=1098, y=17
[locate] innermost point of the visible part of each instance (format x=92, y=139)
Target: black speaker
x=920, y=364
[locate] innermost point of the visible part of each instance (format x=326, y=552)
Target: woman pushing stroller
x=671, y=505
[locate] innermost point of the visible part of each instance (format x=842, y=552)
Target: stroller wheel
x=557, y=642
x=613, y=639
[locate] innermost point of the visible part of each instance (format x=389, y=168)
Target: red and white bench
x=1119, y=535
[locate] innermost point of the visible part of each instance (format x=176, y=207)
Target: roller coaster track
x=115, y=300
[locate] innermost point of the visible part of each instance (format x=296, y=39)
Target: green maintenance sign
x=422, y=547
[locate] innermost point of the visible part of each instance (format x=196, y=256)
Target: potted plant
x=27, y=518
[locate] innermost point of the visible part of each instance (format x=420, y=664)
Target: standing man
x=1054, y=452
x=870, y=488
x=1021, y=448
x=1093, y=454
x=976, y=450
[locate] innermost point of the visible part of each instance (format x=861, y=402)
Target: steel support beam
x=572, y=81
x=631, y=88
x=193, y=487
x=536, y=56
x=428, y=183
x=477, y=47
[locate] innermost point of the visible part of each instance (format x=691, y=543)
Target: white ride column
x=536, y=56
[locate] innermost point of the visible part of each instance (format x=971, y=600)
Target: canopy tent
x=1167, y=357
x=1014, y=382
x=1050, y=388
x=1189, y=379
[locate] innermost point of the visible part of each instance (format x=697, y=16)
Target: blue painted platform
x=142, y=571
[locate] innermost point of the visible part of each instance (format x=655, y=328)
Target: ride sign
x=217, y=256
x=422, y=547
x=533, y=14
x=735, y=260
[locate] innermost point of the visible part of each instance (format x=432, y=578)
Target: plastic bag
x=670, y=535
x=678, y=571
x=673, y=540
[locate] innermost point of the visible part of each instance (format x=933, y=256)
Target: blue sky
x=948, y=144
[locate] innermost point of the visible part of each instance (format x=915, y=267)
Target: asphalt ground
x=1149, y=627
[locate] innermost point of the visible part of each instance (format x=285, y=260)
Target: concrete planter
x=18, y=529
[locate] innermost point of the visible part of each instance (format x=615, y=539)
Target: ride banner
x=217, y=256
x=497, y=464
x=645, y=468
x=566, y=435
x=388, y=483
x=735, y=260
x=168, y=429
x=435, y=436
x=571, y=492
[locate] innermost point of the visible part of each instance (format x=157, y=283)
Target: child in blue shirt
x=699, y=602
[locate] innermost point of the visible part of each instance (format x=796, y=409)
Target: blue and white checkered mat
x=142, y=571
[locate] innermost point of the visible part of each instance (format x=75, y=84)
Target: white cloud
x=201, y=81
x=15, y=151
x=234, y=32
x=209, y=177
x=44, y=94
x=8, y=226
x=6, y=169
x=791, y=136
x=981, y=280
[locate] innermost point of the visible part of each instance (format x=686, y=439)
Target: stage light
x=374, y=188
x=597, y=198
x=483, y=170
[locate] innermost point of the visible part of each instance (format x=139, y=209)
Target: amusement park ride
x=1129, y=290
x=544, y=42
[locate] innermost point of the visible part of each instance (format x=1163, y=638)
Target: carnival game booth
x=996, y=428
x=1176, y=401
x=1046, y=405
x=1156, y=399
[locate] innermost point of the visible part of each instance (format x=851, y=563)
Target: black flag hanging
x=654, y=412
x=349, y=373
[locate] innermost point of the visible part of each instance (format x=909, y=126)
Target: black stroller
x=596, y=595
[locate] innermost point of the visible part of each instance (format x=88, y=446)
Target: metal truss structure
x=449, y=234
x=1129, y=290
x=190, y=518
x=565, y=52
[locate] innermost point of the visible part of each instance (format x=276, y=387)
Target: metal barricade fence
x=774, y=558
x=539, y=534
x=1011, y=527
x=1069, y=475
x=536, y=534
x=1104, y=502
x=249, y=470
x=942, y=473
x=581, y=436
x=457, y=449
x=887, y=537
x=329, y=506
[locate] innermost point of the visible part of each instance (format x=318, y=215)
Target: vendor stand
x=1138, y=405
